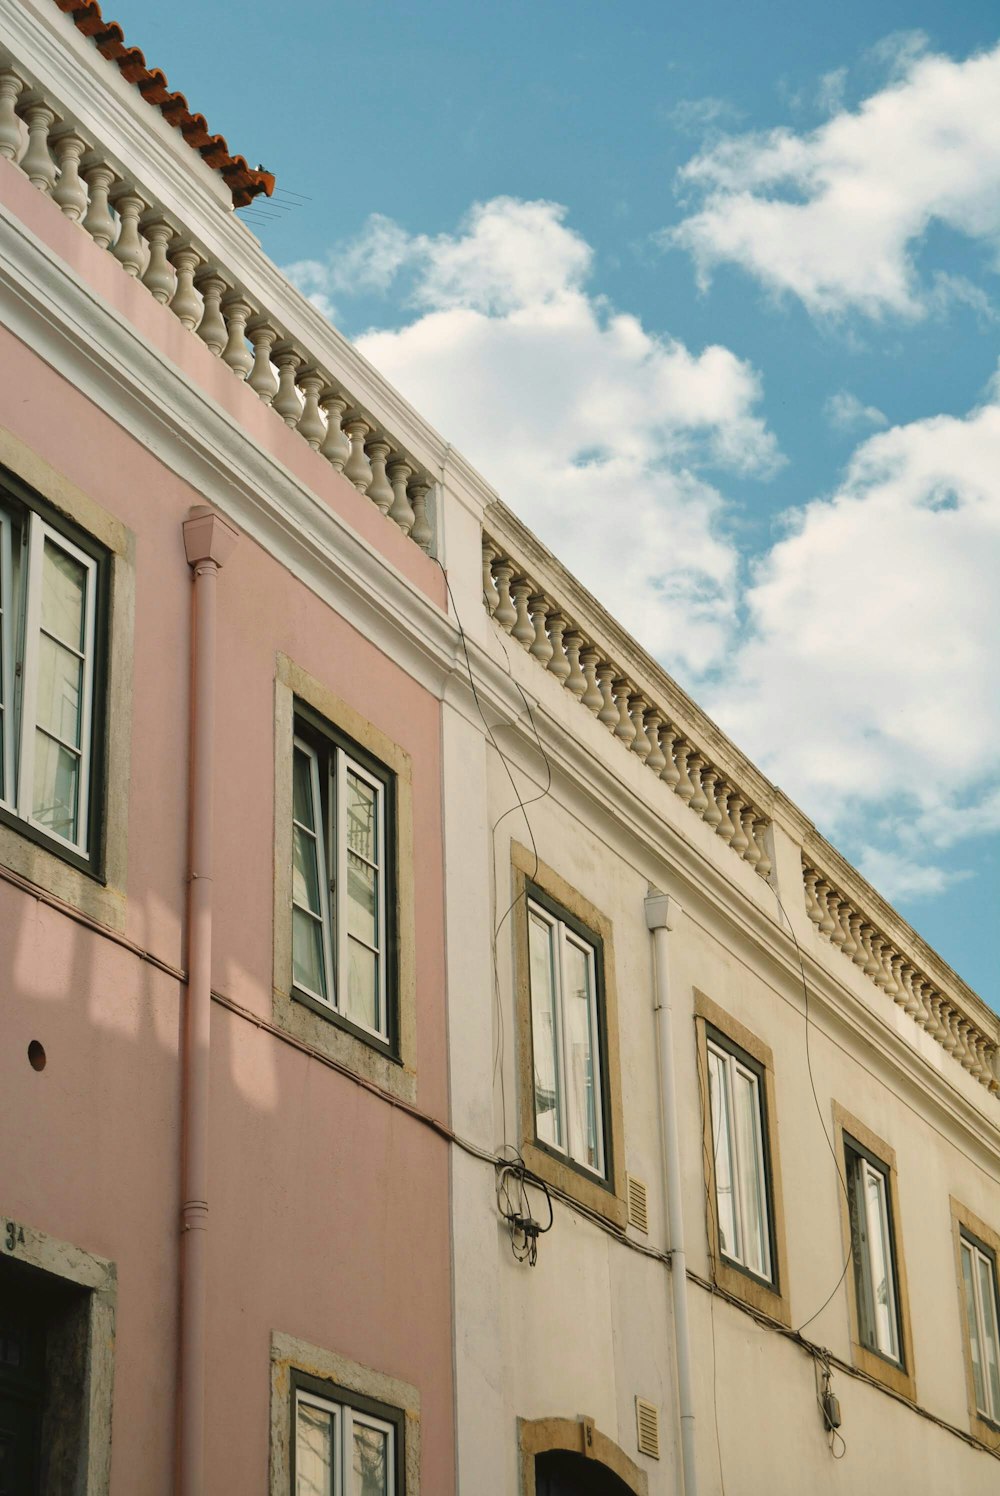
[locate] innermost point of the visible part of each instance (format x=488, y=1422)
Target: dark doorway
x=559, y=1473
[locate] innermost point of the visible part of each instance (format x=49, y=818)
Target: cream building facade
x=677, y=1167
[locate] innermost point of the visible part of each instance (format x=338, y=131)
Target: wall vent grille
x=647, y=1420
x=638, y=1204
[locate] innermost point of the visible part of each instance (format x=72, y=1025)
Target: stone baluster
x=850, y=946
x=212, y=328
x=699, y=800
x=977, y=1046
x=921, y=1012
x=993, y=1068
x=523, y=630
x=10, y=128
x=422, y=533
x=591, y=698
x=810, y=878
x=869, y=966
x=357, y=467
x=576, y=681
x=963, y=1052
x=262, y=379
x=69, y=191
x=752, y=853
x=763, y=865
x=128, y=248
x=608, y=713
x=657, y=760
x=311, y=426
x=684, y=787
x=558, y=663
x=949, y=1018
x=287, y=402
x=158, y=277
x=336, y=448
x=726, y=827
x=401, y=512
x=711, y=815
x=539, y=648
x=881, y=976
x=186, y=304
x=859, y=955
x=37, y=163
x=936, y=1027
x=505, y=613
x=623, y=728
x=491, y=596
x=236, y=355
x=670, y=774
x=380, y=489
x=900, y=995
x=827, y=924
x=740, y=841
x=98, y=219
x=888, y=982
x=833, y=910
x=641, y=745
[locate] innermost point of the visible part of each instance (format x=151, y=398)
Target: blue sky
x=726, y=278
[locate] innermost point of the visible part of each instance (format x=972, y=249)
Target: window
x=566, y=1040
x=744, y=1215
x=870, y=1211
x=50, y=627
x=344, y=1448
x=569, y=1103
x=738, y=1150
x=979, y=1281
x=343, y=915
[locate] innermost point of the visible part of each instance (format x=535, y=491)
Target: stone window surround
x=769, y=1299
x=397, y=1075
x=899, y=1379
x=537, y=1436
x=606, y=1199
x=61, y=1259
x=290, y=1354
x=101, y=899
x=961, y=1217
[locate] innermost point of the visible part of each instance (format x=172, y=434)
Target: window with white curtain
x=343, y=909
x=873, y=1251
x=49, y=612
x=979, y=1282
x=567, y=1046
x=736, y=1102
x=345, y=1448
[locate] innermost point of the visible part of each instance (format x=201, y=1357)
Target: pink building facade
x=300, y=1328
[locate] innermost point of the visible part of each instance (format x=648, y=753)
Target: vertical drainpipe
x=208, y=543
x=661, y=916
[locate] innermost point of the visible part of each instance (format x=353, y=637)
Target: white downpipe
x=661, y=916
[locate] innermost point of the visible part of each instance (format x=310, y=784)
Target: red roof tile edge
x=243, y=181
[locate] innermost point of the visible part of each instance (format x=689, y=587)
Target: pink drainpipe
x=208, y=543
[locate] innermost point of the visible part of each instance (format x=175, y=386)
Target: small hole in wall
x=36, y=1055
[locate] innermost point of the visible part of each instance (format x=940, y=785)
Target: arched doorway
x=561, y=1473
x=571, y=1457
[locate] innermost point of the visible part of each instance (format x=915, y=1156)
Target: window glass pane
x=371, y=1461
x=302, y=806
x=307, y=953
x=64, y=586
x=548, y=1107
x=362, y=986
x=718, y=1091
x=55, y=786
x=582, y=1058
x=859, y=1247
x=58, y=701
x=314, y=1451
x=362, y=818
x=883, y=1291
x=973, y=1322
x=988, y=1299
x=362, y=900
x=751, y=1171
x=305, y=871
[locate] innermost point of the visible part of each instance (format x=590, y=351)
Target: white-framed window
x=48, y=657
x=567, y=1047
x=736, y=1101
x=979, y=1278
x=876, y=1292
x=342, y=890
x=345, y=1448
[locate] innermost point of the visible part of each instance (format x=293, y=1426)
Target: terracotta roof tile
x=243, y=181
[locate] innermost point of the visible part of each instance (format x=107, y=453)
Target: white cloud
x=898, y=876
x=594, y=430
x=845, y=412
x=698, y=116
x=830, y=92
x=868, y=684
x=836, y=216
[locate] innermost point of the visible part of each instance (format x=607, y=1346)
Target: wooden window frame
x=318, y=1391
x=965, y=1223
x=769, y=1297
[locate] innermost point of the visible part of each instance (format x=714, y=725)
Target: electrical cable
x=515, y=1208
